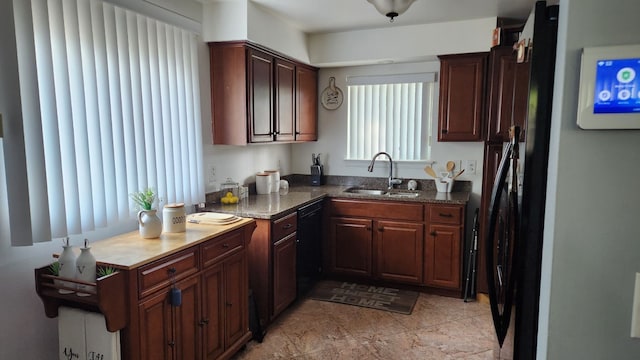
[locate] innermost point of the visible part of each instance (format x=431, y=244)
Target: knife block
x=316, y=175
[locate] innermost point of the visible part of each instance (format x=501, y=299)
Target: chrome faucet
x=392, y=181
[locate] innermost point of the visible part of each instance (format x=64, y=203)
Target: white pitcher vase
x=149, y=224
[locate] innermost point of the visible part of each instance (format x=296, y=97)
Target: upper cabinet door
x=508, y=94
x=260, y=93
x=306, y=104
x=285, y=73
x=462, y=83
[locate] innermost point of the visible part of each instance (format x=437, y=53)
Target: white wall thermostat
x=609, y=93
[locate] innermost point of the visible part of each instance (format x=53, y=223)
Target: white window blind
x=111, y=106
x=390, y=113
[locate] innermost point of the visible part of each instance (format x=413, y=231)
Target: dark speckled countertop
x=276, y=205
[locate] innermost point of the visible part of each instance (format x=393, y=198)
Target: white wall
x=591, y=243
x=230, y=20
x=401, y=44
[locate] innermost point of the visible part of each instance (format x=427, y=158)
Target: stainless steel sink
x=366, y=191
x=402, y=194
x=393, y=193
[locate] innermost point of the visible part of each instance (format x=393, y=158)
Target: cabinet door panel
x=306, y=104
x=285, y=100
x=284, y=273
x=503, y=70
x=156, y=328
x=235, y=291
x=213, y=312
x=443, y=257
x=260, y=96
x=187, y=320
x=521, y=98
x=461, y=97
x=350, y=244
x=399, y=251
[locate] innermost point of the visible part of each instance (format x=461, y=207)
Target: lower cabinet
x=443, y=246
x=209, y=318
x=399, y=251
x=272, y=266
x=350, y=244
x=284, y=273
x=224, y=315
x=168, y=331
x=380, y=246
x=396, y=242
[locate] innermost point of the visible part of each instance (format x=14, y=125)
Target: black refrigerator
x=514, y=237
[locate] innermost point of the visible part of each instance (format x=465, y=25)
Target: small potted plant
x=149, y=223
x=105, y=271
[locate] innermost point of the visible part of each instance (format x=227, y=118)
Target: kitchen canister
x=275, y=180
x=263, y=183
x=86, y=270
x=174, y=218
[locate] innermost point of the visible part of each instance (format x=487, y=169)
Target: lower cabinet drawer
x=284, y=226
x=445, y=214
x=216, y=249
x=160, y=273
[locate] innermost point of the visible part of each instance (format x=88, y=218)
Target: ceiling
x=319, y=16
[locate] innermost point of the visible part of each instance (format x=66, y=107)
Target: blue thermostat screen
x=617, y=86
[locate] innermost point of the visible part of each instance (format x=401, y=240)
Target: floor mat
x=375, y=297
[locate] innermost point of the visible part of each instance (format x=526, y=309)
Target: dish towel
x=101, y=344
x=71, y=334
x=83, y=335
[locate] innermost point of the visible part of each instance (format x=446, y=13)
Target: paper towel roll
x=71, y=334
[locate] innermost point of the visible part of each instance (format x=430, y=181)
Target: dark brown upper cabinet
x=462, y=96
x=508, y=94
x=260, y=96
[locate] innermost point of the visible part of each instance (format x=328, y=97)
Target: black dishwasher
x=309, y=246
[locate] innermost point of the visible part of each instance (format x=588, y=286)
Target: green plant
x=144, y=199
x=105, y=270
x=55, y=268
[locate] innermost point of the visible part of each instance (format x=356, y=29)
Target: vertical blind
x=111, y=106
x=391, y=117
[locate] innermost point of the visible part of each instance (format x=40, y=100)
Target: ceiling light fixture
x=391, y=8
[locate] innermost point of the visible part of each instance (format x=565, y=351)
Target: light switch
x=635, y=315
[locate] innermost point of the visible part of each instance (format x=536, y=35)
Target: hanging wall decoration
x=331, y=97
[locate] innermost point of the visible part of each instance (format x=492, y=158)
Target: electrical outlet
x=470, y=167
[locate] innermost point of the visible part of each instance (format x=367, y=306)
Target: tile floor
x=438, y=328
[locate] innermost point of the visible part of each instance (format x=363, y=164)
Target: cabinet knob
x=225, y=245
x=204, y=322
x=433, y=233
x=171, y=271
x=444, y=131
x=287, y=226
x=171, y=343
x=445, y=215
x=229, y=304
